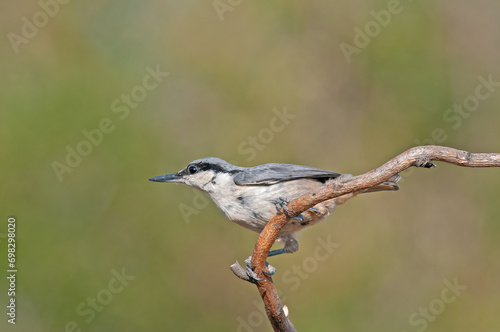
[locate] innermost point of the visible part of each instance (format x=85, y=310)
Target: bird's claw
x=270, y=270
x=249, y=268
x=300, y=217
x=252, y=275
x=282, y=205
x=316, y=210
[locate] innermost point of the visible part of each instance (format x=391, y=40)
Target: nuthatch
x=250, y=196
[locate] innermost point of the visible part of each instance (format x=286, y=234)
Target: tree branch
x=420, y=156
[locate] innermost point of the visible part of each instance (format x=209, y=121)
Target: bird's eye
x=192, y=169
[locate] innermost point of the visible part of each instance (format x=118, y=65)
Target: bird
x=251, y=196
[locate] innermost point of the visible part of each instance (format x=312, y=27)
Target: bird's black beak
x=166, y=178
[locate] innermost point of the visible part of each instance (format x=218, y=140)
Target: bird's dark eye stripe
x=212, y=167
x=207, y=167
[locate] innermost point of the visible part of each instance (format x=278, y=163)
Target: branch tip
x=239, y=271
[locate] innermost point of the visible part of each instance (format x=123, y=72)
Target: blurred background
x=99, y=96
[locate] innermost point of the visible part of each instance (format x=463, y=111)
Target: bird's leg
x=277, y=252
x=291, y=246
x=282, y=205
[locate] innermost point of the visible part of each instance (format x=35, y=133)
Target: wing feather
x=273, y=173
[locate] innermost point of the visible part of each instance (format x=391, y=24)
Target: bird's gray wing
x=274, y=173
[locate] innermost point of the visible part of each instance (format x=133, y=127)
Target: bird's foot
x=252, y=275
x=282, y=205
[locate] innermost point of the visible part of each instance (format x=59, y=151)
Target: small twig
x=239, y=271
x=421, y=156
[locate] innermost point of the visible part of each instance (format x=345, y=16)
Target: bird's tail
x=391, y=185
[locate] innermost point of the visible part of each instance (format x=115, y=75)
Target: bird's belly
x=253, y=206
x=249, y=213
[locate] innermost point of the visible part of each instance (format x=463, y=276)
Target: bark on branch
x=420, y=156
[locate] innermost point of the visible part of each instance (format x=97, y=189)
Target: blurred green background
x=67, y=68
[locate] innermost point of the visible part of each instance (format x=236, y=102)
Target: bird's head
x=200, y=174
